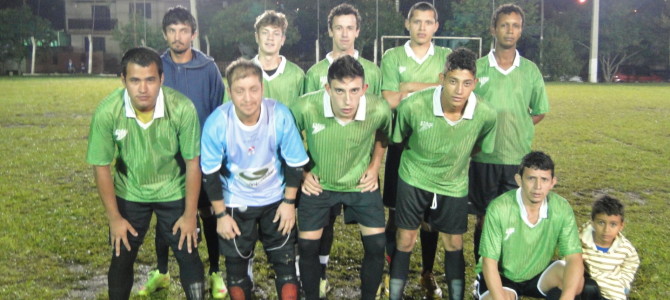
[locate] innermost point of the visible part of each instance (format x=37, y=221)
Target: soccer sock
x=239, y=284
x=454, y=268
x=428, y=249
x=390, y=233
x=373, y=264
x=309, y=267
x=212, y=240
x=477, y=237
x=120, y=274
x=399, y=272
x=326, y=244
x=554, y=294
x=191, y=272
x=162, y=253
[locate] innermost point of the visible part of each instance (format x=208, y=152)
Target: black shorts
x=443, y=213
x=530, y=288
x=391, y=167
x=362, y=208
x=488, y=181
x=255, y=223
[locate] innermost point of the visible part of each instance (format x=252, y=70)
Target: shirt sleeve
x=311, y=81
x=487, y=136
x=402, y=124
x=189, y=131
x=568, y=240
x=217, y=90
x=101, y=145
x=390, y=74
x=491, y=239
x=539, y=102
x=213, y=144
x=290, y=145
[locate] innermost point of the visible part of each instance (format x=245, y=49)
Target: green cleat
x=219, y=290
x=324, y=288
x=155, y=282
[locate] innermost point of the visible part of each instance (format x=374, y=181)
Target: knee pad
x=283, y=262
x=374, y=244
x=236, y=271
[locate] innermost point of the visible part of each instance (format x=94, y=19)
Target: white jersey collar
x=331, y=59
x=468, y=113
x=524, y=215
x=494, y=63
x=159, y=110
x=328, y=109
x=280, y=68
x=410, y=53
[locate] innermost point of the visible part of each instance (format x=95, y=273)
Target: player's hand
x=227, y=228
x=118, y=232
x=286, y=217
x=311, y=185
x=188, y=225
x=369, y=181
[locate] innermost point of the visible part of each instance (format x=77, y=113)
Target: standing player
x=440, y=128
x=347, y=133
x=514, y=87
x=406, y=69
x=153, y=135
x=195, y=75
x=344, y=25
x=524, y=229
x=252, y=158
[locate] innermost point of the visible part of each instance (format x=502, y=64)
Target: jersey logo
x=483, y=81
x=316, y=127
x=120, y=134
x=402, y=69
x=508, y=233
x=322, y=81
x=423, y=126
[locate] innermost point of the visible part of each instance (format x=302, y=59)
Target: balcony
x=87, y=24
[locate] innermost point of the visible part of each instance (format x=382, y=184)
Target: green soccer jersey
x=437, y=151
x=516, y=94
x=285, y=85
x=523, y=251
x=400, y=65
x=317, y=75
x=340, y=153
x=149, y=157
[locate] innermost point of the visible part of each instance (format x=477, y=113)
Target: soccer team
x=458, y=132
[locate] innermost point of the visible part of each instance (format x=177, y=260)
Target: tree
x=560, y=60
x=133, y=35
x=18, y=25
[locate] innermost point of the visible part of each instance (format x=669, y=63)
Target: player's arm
x=118, y=226
x=370, y=180
x=492, y=278
x=187, y=224
x=573, y=276
x=537, y=118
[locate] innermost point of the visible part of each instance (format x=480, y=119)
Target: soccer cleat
x=323, y=288
x=219, y=290
x=429, y=286
x=155, y=282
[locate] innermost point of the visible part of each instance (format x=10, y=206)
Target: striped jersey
x=285, y=85
x=317, y=75
x=341, y=153
x=516, y=94
x=150, y=164
x=613, y=270
x=249, y=158
x=436, y=153
x=400, y=65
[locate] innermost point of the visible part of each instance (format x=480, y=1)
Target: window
x=98, y=44
x=141, y=9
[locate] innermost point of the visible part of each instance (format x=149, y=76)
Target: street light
x=593, y=57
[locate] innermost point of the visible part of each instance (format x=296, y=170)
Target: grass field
x=611, y=139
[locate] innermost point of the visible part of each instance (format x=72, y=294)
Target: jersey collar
x=410, y=53
x=330, y=58
x=468, y=113
x=494, y=63
x=159, y=110
x=328, y=109
x=280, y=68
x=524, y=215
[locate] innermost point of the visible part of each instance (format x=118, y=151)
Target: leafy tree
x=18, y=25
x=559, y=58
x=133, y=35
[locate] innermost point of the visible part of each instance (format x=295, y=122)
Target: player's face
x=143, y=85
x=270, y=39
x=535, y=185
x=606, y=228
x=345, y=95
x=247, y=94
x=457, y=86
x=179, y=37
x=421, y=26
x=508, y=30
x=344, y=32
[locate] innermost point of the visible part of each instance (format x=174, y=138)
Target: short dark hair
x=242, y=68
x=607, y=205
x=271, y=18
x=507, y=9
x=461, y=59
x=343, y=10
x=179, y=15
x=423, y=6
x=537, y=160
x=143, y=56
x=345, y=67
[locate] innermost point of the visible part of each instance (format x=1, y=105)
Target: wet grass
x=604, y=138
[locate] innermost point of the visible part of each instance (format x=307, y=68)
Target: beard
x=178, y=50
